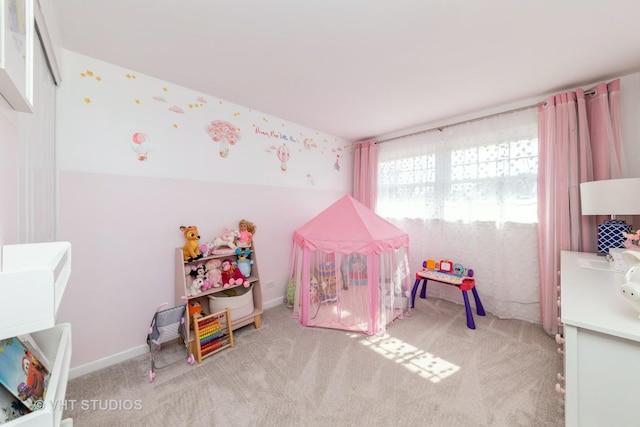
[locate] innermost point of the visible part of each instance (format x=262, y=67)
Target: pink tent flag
x=350, y=269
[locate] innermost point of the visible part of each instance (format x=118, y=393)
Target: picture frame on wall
x=16, y=53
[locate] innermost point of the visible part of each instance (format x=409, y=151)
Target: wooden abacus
x=213, y=333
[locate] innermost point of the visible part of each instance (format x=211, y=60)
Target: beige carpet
x=428, y=370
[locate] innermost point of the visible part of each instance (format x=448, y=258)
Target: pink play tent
x=350, y=270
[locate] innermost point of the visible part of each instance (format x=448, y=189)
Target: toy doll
x=245, y=235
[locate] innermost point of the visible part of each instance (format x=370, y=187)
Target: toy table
x=464, y=283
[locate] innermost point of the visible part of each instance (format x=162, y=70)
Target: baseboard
x=108, y=361
x=273, y=303
x=135, y=351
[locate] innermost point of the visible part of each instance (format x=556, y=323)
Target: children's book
x=10, y=407
x=22, y=374
x=31, y=345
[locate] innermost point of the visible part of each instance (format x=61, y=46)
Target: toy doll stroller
x=166, y=326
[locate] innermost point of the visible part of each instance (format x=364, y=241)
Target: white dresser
x=601, y=345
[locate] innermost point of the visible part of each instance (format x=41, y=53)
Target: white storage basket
x=240, y=305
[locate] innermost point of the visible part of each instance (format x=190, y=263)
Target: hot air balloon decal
x=141, y=145
x=283, y=156
x=224, y=133
x=336, y=165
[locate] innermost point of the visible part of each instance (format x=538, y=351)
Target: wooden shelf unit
x=183, y=282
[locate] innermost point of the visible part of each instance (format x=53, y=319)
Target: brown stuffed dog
x=191, y=249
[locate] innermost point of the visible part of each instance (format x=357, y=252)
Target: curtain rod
x=589, y=92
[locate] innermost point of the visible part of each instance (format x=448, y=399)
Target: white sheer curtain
x=468, y=193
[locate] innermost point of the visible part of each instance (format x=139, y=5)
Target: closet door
x=37, y=217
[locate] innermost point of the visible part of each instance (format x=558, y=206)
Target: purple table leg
x=470, y=323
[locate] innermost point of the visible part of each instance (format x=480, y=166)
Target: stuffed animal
x=195, y=311
x=226, y=239
x=196, y=286
x=207, y=249
x=191, y=249
x=198, y=271
x=206, y=285
x=231, y=275
x=213, y=275
x=243, y=262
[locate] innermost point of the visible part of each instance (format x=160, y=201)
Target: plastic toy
x=167, y=326
x=449, y=273
x=245, y=234
x=191, y=249
x=231, y=275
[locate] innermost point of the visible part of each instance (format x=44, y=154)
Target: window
x=485, y=170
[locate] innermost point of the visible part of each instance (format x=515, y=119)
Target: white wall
x=122, y=214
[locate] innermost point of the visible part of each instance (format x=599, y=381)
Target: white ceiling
x=362, y=68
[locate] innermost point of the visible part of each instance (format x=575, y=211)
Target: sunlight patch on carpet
x=420, y=362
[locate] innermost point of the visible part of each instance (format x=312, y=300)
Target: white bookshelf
x=33, y=279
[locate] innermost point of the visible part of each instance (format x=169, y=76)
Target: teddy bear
x=231, y=275
x=213, y=274
x=191, y=249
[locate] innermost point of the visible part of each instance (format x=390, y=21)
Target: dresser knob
x=560, y=390
x=559, y=339
x=560, y=322
x=559, y=377
x=559, y=304
x=560, y=351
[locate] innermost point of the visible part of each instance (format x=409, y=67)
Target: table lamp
x=611, y=197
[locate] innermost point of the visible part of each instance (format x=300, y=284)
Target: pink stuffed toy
x=231, y=275
x=214, y=275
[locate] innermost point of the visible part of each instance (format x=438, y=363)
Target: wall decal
x=274, y=134
x=91, y=74
x=309, y=144
x=283, y=156
x=310, y=179
x=141, y=145
x=176, y=109
x=336, y=165
x=224, y=133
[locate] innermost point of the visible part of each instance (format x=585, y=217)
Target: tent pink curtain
x=365, y=173
x=579, y=141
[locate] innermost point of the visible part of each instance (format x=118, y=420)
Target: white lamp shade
x=611, y=197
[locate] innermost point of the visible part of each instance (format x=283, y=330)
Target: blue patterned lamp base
x=610, y=235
